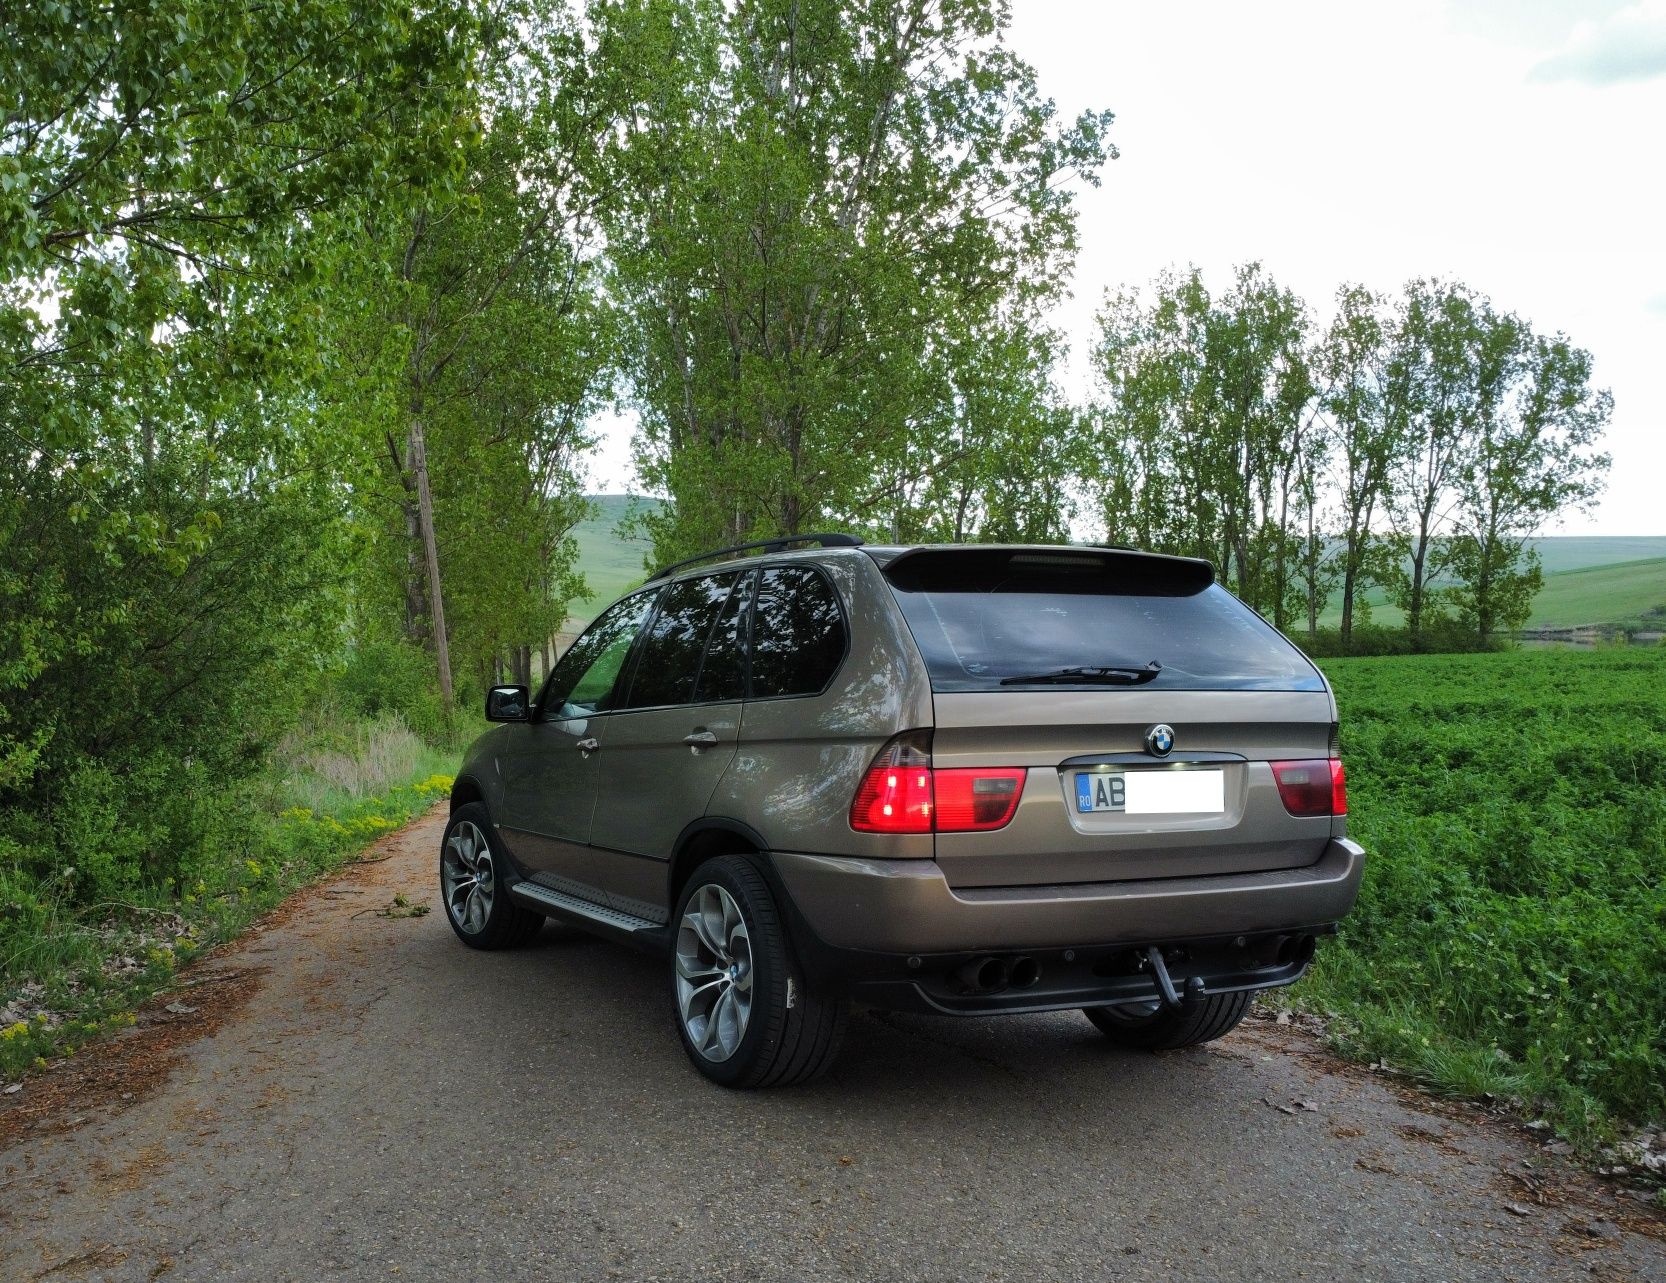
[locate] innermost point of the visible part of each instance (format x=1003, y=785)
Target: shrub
x=387, y=676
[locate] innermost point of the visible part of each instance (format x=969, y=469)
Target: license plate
x=1151, y=792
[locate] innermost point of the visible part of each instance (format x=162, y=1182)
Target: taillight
x=895, y=796
x=1313, y=787
x=901, y=793
x=972, y=799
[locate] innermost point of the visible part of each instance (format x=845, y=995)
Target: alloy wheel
x=468, y=877
x=714, y=973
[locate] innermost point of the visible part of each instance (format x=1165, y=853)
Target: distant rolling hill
x=609, y=562
x=1614, y=594
x=1589, y=579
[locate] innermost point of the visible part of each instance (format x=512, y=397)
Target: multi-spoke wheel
x=745, y=1012
x=714, y=973
x=476, y=903
x=466, y=876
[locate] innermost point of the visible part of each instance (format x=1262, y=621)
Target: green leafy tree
x=1364, y=439
x=1531, y=455
x=1151, y=463
x=1435, y=396
x=491, y=349
x=172, y=557
x=818, y=205
x=1209, y=407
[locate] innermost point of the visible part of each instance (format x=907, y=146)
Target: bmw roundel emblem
x=1159, y=740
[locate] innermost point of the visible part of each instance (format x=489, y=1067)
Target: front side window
x=583, y=680
x=798, y=633
x=669, y=660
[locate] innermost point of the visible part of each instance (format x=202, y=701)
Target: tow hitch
x=1165, y=983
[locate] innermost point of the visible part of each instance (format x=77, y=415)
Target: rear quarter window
x=982, y=618
x=798, y=633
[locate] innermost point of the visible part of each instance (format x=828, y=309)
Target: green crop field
x=1614, y=594
x=1511, y=936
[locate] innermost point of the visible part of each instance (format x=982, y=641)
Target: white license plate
x=1148, y=792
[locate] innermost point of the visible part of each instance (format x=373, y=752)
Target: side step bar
x=615, y=922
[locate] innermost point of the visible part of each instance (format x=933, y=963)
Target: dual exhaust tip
x=993, y=973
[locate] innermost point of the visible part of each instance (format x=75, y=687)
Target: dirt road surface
x=350, y=1096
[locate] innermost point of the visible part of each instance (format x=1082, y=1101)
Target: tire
x=743, y=1010
x=473, y=888
x=1197, y=1020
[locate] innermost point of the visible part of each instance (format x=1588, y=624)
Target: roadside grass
x=1510, y=940
x=70, y=973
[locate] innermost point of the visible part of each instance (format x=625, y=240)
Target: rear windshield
x=980, y=617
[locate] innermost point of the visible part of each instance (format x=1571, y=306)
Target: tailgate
x=1056, y=734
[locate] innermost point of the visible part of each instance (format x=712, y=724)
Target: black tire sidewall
x=771, y=969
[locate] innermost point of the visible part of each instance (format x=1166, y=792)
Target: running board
x=542, y=898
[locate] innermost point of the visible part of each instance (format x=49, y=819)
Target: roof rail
x=773, y=545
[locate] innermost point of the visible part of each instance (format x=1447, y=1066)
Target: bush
x=1442, y=637
x=383, y=676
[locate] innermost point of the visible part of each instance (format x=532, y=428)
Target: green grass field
x=1588, y=580
x=1612, y=594
x=1511, y=936
x=610, y=564
x=1616, y=594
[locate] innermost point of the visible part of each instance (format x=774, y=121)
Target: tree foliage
x=828, y=217
x=1416, y=445
x=169, y=550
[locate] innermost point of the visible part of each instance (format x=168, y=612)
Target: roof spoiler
x=1064, y=567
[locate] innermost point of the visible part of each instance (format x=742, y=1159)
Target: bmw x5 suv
x=955, y=779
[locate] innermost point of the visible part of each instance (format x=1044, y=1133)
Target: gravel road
x=359, y=1097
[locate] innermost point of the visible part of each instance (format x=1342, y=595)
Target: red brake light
x=1312, y=787
x=901, y=793
x=895, y=796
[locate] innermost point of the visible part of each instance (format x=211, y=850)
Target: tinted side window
x=669, y=659
x=723, y=674
x=798, y=634
x=583, y=679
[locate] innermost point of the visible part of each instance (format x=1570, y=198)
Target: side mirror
x=507, y=704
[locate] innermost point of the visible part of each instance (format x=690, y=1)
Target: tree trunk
x=431, y=555
x=416, y=605
x=1414, y=612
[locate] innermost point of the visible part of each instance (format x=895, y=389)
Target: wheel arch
x=466, y=789
x=706, y=839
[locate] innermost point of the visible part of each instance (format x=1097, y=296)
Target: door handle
x=588, y=745
x=700, y=739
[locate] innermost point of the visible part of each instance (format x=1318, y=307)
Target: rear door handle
x=700, y=739
x=588, y=745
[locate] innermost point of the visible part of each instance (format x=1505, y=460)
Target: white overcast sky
x=1516, y=145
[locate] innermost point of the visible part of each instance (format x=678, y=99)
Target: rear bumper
x=907, y=907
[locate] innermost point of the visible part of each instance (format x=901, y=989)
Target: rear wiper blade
x=1109, y=675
